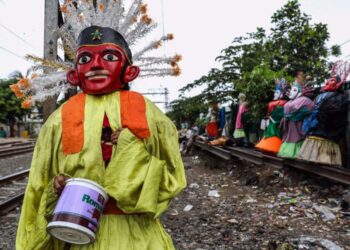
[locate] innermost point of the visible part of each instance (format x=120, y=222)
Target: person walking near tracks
x=2, y=133
x=107, y=134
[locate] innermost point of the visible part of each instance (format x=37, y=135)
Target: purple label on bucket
x=83, y=202
x=93, y=227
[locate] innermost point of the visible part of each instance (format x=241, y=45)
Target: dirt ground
x=230, y=205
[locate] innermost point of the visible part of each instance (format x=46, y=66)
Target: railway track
x=8, y=149
x=12, y=188
x=236, y=153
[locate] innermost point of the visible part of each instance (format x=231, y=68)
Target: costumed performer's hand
x=115, y=135
x=59, y=183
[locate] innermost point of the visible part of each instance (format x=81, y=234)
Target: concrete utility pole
x=50, y=46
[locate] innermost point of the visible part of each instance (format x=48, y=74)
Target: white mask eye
x=84, y=59
x=277, y=94
x=110, y=57
x=294, y=92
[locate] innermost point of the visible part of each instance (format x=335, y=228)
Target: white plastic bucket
x=78, y=211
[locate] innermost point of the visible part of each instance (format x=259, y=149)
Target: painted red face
x=332, y=84
x=99, y=68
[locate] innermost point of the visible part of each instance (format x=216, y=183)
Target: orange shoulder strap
x=73, y=124
x=133, y=113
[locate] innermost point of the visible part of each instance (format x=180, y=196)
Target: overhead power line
x=13, y=53
x=163, y=23
x=13, y=33
x=346, y=56
x=344, y=43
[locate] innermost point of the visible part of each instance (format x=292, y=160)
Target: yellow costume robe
x=142, y=176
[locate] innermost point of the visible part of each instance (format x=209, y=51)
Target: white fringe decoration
x=44, y=86
x=134, y=24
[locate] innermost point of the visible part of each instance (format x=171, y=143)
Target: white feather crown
x=49, y=76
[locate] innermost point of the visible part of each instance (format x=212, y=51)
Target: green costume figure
x=141, y=171
x=2, y=133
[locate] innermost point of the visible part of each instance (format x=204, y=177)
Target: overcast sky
x=202, y=28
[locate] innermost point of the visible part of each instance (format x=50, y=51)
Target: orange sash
x=133, y=117
x=133, y=113
x=73, y=124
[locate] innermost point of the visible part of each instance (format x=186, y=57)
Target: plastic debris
x=213, y=193
x=282, y=195
x=307, y=189
x=251, y=200
x=193, y=185
x=233, y=221
x=334, y=202
x=188, y=208
x=174, y=212
x=292, y=201
x=286, y=246
x=278, y=173
x=345, y=202
x=326, y=212
x=304, y=240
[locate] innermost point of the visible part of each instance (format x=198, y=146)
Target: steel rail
x=11, y=203
x=14, y=176
x=7, y=143
x=247, y=154
x=11, y=151
x=333, y=173
x=220, y=152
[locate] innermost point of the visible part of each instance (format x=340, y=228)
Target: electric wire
x=163, y=25
x=13, y=53
x=13, y=33
x=163, y=22
x=344, y=43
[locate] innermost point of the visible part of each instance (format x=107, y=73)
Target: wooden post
x=50, y=46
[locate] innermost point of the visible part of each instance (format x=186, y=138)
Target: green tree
x=242, y=56
x=187, y=109
x=10, y=106
x=296, y=44
x=293, y=44
x=218, y=84
x=258, y=86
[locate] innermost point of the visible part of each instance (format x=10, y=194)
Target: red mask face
x=332, y=84
x=99, y=69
